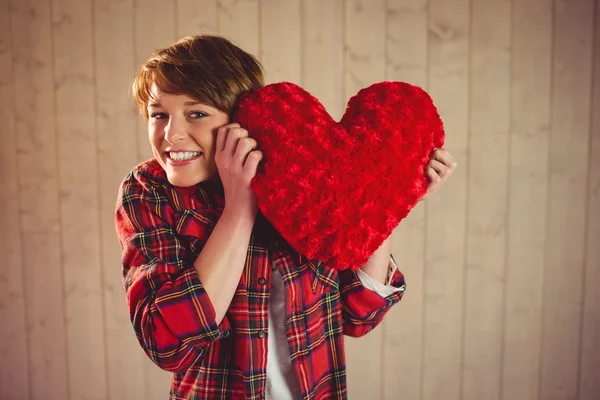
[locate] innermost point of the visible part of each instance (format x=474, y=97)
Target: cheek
x=154, y=135
x=205, y=138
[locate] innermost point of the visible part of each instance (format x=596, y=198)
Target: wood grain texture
x=446, y=211
x=78, y=172
x=116, y=118
x=487, y=183
x=154, y=22
x=568, y=169
x=365, y=44
x=589, y=385
x=530, y=90
x=196, y=17
x=364, y=65
x=38, y=193
x=406, y=47
x=48, y=360
x=280, y=49
x=323, y=53
x=34, y=115
x=13, y=336
x=239, y=21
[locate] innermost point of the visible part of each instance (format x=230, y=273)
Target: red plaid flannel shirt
x=162, y=228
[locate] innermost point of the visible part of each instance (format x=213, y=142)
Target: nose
x=174, y=131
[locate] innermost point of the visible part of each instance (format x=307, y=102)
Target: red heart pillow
x=336, y=191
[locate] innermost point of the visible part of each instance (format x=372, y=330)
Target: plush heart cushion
x=336, y=191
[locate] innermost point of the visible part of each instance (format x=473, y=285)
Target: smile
x=181, y=158
x=183, y=155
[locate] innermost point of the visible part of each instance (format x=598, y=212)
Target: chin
x=183, y=181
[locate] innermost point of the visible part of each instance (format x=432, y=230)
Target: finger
x=433, y=176
x=252, y=162
x=222, y=134
x=221, y=138
x=244, y=147
x=443, y=156
x=441, y=169
x=235, y=134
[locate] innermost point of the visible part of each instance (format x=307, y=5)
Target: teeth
x=183, y=155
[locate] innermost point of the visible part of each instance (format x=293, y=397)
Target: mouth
x=182, y=157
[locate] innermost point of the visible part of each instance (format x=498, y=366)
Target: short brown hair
x=208, y=68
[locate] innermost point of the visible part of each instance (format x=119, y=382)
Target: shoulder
x=145, y=177
x=146, y=182
x=142, y=194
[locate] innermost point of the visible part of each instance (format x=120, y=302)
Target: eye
x=197, y=114
x=158, y=115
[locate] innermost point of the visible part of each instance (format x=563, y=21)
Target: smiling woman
x=183, y=133
x=183, y=118
x=204, y=271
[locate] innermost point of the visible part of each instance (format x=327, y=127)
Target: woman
x=216, y=296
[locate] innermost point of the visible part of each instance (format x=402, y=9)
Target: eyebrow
x=187, y=103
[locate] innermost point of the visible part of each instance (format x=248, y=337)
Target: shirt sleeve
x=171, y=312
x=375, y=286
x=363, y=307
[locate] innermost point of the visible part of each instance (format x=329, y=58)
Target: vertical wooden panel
x=154, y=22
x=365, y=65
x=77, y=167
x=572, y=73
x=590, y=352
x=35, y=115
x=487, y=182
x=195, y=17
x=322, y=53
x=530, y=90
x=38, y=193
x=13, y=336
x=116, y=146
x=445, y=225
x=280, y=48
x=238, y=20
x=365, y=45
x=406, y=42
x=48, y=372
x=154, y=28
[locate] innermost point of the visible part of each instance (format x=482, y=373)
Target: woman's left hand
x=440, y=167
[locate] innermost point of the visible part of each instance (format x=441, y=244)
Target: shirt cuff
x=375, y=286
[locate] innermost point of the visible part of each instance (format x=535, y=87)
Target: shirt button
x=262, y=334
x=262, y=281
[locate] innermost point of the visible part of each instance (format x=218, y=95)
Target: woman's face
x=183, y=134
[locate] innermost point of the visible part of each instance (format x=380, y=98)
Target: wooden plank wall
x=502, y=265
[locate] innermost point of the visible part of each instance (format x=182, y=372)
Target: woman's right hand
x=237, y=160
